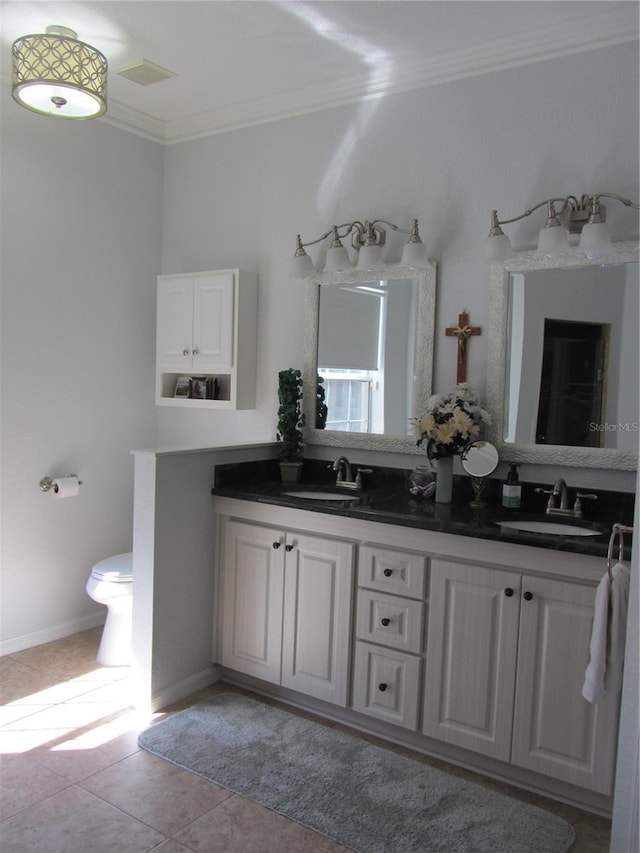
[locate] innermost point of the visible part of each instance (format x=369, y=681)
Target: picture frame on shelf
x=213, y=388
x=183, y=387
x=199, y=388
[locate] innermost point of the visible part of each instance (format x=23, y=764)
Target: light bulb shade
x=553, y=241
x=337, y=259
x=370, y=258
x=595, y=240
x=414, y=255
x=301, y=266
x=497, y=247
x=55, y=74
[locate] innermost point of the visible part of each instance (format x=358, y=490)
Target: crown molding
x=134, y=121
x=594, y=32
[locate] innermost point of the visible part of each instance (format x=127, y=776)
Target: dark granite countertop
x=386, y=499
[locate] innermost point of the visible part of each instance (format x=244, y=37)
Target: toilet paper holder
x=47, y=483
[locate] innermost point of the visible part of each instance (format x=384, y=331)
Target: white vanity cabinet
x=506, y=655
x=206, y=328
x=287, y=608
x=389, y=635
x=473, y=650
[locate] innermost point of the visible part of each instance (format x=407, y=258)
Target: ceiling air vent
x=145, y=73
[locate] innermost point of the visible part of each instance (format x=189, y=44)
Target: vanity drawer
x=385, y=685
x=397, y=572
x=389, y=620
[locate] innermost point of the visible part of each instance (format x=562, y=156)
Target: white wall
x=81, y=228
x=447, y=154
x=91, y=214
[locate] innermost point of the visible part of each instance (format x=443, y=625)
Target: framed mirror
x=369, y=337
x=562, y=376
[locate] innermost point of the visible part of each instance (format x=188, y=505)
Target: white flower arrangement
x=451, y=422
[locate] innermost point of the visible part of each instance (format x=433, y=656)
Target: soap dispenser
x=512, y=490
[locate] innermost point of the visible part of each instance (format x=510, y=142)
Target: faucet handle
x=577, y=507
x=551, y=504
x=360, y=472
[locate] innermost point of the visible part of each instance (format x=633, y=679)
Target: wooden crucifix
x=462, y=332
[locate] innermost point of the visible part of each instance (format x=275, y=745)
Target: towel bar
x=617, y=530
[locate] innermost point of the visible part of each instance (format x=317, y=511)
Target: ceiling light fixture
x=55, y=74
x=367, y=239
x=564, y=216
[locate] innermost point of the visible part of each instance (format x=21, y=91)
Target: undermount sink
x=322, y=496
x=552, y=528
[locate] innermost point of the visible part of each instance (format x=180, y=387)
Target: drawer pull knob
x=382, y=687
x=528, y=596
x=276, y=545
x=388, y=572
x=385, y=622
x=508, y=592
x=288, y=547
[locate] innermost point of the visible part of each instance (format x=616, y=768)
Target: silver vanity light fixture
x=565, y=216
x=367, y=238
x=55, y=74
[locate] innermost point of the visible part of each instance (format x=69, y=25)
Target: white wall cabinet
x=506, y=655
x=206, y=328
x=287, y=604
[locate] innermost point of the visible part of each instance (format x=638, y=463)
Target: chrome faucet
x=561, y=491
x=343, y=468
x=344, y=476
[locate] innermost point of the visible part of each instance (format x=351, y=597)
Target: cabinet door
x=317, y=617
x=385, y=685
x=253, y=580
x=471, y=657
x=556, y=731
x=175, y=322
x=213, y=325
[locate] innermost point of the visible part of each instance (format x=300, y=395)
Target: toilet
x=111, y=584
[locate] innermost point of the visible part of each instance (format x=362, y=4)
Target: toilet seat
x=118, y=569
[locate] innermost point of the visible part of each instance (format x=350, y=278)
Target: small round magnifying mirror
x=479, y=460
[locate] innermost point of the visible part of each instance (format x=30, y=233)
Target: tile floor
x=74, y=780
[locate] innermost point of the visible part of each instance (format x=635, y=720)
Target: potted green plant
x=290, y=424
x=321, y=407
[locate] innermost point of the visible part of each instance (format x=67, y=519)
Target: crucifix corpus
x=462, y=332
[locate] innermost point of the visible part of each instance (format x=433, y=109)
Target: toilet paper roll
x=66, y=487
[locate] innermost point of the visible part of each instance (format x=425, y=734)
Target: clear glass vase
x=422, y=481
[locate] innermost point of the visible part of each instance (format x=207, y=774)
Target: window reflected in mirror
x=366, y=355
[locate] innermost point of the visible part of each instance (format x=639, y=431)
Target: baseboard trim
x=56, y=632
x=185, y=688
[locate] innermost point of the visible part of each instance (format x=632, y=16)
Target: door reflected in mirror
x=562, y=361
x=572, y=371
x=573, y=383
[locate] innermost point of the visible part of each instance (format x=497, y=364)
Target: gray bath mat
x=361, y=795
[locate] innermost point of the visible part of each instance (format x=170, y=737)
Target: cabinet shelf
x=167, y=383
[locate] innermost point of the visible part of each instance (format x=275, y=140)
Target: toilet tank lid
x=115, y=568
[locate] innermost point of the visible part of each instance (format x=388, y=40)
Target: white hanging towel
x=604, y=672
